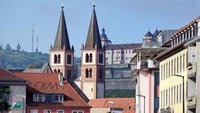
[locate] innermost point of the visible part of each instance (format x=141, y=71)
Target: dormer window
x=58, y=97
x=38, y=97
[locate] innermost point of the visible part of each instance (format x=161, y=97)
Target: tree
x=8, y=47
x=1, y=46
x=4, y=92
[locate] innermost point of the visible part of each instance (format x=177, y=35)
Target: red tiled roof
x=127, y=104
x=8, y=76
x=48, y=83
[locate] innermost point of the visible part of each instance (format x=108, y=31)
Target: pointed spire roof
x=62, y=39
x=148, y=34
x=93, y=37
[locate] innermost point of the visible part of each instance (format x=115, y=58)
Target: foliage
x=120, y=93
x=8, y=47
x=13, y=59
x=4, y=91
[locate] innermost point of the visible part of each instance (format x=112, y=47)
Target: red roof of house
x=127, y=104
x=48, y=83
x=8, y=76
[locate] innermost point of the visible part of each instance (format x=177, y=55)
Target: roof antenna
x=33, y=39
x=62, y=5
x=37, y=45
x=93, y=3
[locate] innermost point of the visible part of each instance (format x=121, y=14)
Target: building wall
x=143, y=86
x=89, y=89
x=100, y=89
x=198, y=78
x=18, y=94
x=54, y=110
x=171, y=86
x=119, y=56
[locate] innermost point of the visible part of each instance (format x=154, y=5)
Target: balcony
x=192, y=69
x=191, y=102
x=147, y=64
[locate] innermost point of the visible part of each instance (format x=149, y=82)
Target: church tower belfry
x=93, y=62
x=61, y=54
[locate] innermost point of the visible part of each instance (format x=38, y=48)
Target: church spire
x=62, y=39
x=93, y=37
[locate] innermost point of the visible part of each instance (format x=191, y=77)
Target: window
x=58, y=58
x=177, y=94
x=90, y=57
x=55, y=59
x=60, y=111
x=86, y=73
x=90, y=73
x=69, y=59
x=34, y=111
x=156, y=75
x=5, y=92
x=58, y=97
x=47, y=111
x=183, y=62
x=77, y=111
x=86, y=58
x=174, y=95
x=38, y=97
x=177, y=65
x=55, y=71
x=100, y=57
x=180, y=94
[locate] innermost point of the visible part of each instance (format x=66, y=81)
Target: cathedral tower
x=61, y=54
x=93, y=62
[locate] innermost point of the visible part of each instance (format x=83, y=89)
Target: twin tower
x=92, y=80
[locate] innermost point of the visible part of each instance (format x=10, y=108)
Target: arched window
x=69, y=59
x=90, y=57
x=55, y=58
x=86, y=73
x=90, y=73
x=87, y=58
x=59, y=58
x=58, y=70
x=100, y=58
x=55, y=71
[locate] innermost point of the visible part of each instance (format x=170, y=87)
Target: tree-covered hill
x=16, y=59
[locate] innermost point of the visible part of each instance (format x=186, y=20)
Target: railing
x=192, y=70
x=145, y=64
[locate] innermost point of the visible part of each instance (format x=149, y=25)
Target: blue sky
x=125, y=21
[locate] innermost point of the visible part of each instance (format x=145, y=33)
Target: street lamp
x=112, y=108
x=144, y=100
x=183, y=91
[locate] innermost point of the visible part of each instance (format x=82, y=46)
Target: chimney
x=60, y=78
